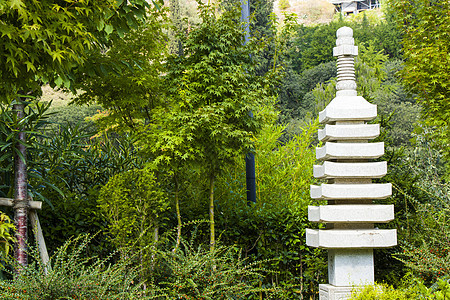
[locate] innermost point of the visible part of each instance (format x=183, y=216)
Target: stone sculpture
x=349, y=236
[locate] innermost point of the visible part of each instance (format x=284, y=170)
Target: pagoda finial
x=345, y=50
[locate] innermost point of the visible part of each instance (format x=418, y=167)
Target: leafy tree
x=426, y=45
x=170, y=150
x=131, y=87
x=262, y=27
x=314, y=45
x=128, y=85
x=398, y=108
x=215, y=93
x=15, y=121
x=292, y=101
x=43, y=41
x=67, y=169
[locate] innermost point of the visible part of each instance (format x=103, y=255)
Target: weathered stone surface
x=351, y=214
x=351, y=191
x=350, y=151
x=349, y=132
x=330, y=292
x=345, y=50
x=350, y=238
x=350, y=170
x=348, y=108
x=350, y=267
x=359, y=213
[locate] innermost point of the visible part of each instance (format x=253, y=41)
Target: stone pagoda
x=349, y=234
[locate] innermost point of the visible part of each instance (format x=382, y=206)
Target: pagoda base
x=331, y=292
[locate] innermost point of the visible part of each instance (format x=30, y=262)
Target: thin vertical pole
x=35, y=224
x=250, y=157
x=245, y=17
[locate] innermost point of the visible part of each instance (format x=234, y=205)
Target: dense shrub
x=78, y=167
x=72, y=275
x=72, y=115
x=187, y=272
x=7, y=229
x=411, y=289
x=293, y=102
x=426, y=247
x=195, y=272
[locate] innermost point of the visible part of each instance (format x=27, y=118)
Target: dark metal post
x=250, y=158
x=251, y=180
x=245, y=17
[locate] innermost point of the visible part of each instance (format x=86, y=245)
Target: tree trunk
x=177, y=207
x=212, y=242
x=20, y=193
x=155, y=241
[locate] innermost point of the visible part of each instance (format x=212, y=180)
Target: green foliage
x=73, y=115
x=283, y=4
x=62, y=172
x=213, y=92
x=193, y=272
x=6, y=234
x=384, y=292
x=10, y=127
x=216, y=94
x=426, y=251
x=398, y=110
x=274, y=227
x=190, y=271
x=425, y=26
x=411, y=289
x=294, y=100
x=132, y=203
x=42, y=41
x=70, y=275
x=127, y=81
x=79, y=167
x=313, y=45
x=369, y=67
x=261, y=24
x=283, y=167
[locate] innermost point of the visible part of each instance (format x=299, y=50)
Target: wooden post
x=36, y=226
x=10, y=202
